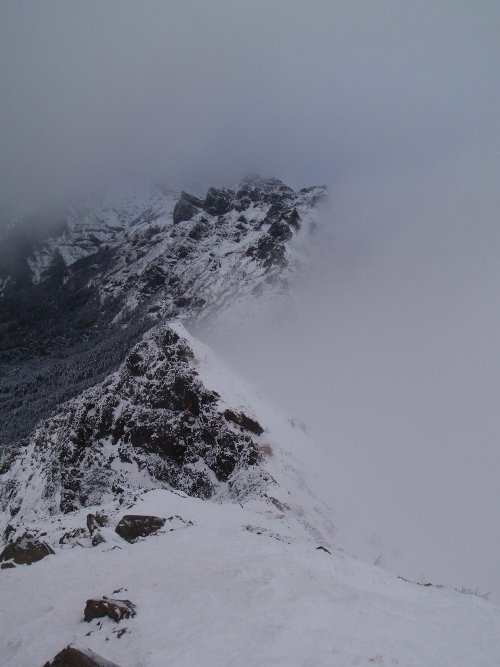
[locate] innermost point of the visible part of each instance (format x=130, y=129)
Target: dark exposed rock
x=270, y=251
x=245, y=422
x=96, y=521
x=192, y=200
x=276, y=212
x=186, y=208
x=73, y=657
x=183, y=211
x=243, y=204
x=199, y=230
x=133, y=526
x=323, y=549
x=98, y=538
x=152, y=279
x=72, y=536
x=218, y=202
x=294, y=219
x=114, y=609
x=9, y=530
x=280, y=231
x=25, y=550
x=7, y=566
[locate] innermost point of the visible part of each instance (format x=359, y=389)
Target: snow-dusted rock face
x=152, y=424
x=77, y=297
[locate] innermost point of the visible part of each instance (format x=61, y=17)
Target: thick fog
x=208, y=90
x=394, y=365
x=394, y=362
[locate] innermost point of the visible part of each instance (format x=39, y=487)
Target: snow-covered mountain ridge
x=74, y=301
x=151, y=424
x=235, y=588
x=164, y=429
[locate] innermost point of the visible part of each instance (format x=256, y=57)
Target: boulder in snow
x=73, y=657
x=186, y=208
x=25, y=550
x=133, y=526
x=114, y=609
x=245, y=422
x=96, y=521
x=73, y=536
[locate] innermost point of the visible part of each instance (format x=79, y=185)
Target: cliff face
x=77, y=297
x=152, y=424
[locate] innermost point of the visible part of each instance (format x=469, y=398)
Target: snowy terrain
x=218, y=593
x=79, y=287
x=237, y=583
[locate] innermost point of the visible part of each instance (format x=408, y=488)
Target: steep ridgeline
x=152, y=424
x=78, y=290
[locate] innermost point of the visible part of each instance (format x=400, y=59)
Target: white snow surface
x=219, y=593
x=238, y=585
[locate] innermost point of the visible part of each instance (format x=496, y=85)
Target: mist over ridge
x=392, y=363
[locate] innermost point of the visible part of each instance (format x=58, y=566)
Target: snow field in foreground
x=216, y=593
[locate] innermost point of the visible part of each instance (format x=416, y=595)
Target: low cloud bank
x=208, y=91
x=393, y=362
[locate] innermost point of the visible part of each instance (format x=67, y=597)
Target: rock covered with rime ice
x=152, y=424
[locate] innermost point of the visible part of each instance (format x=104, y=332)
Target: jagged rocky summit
x=151, y=424
x=79, y=287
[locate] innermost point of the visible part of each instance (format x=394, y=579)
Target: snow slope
x=237, y=583
x=220, y=594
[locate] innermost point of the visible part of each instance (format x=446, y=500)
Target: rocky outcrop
x=245, y=422
x=96, y=521
x=186, y=208
x=25, y=550
x=74, y=657
x=132, y=526
x=74, y=536
x=218, y=202
x=153, y=424
x=114, y=609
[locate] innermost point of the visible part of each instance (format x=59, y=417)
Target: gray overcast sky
x=303, y=90
x=395, y=362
